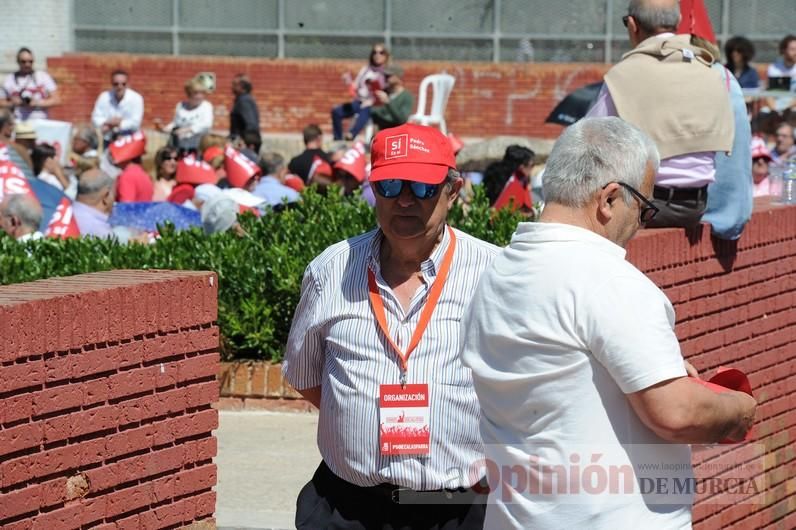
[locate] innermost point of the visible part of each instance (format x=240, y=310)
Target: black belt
x=404, y=495
x=680, y=194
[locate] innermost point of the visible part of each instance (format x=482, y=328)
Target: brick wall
x=106, y=385
x=488, y=99
x=735, y=307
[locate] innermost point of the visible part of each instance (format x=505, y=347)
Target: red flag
x=239, y=169
x=319, y=167
x=128, y=147
x=515, y=193
x=193, y=171
x=694, y=19
x=353, y=162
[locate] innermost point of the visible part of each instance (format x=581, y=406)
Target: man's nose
x=406, y=198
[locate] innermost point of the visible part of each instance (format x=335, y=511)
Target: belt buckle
x=396, y=492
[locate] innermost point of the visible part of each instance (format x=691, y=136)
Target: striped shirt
x=335, y=343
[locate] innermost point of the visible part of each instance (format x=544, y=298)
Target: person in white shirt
x=574, y=358
x=193, y=118
x=120, y=110
x=30, y=93
x=20, y=216
x=785, y=66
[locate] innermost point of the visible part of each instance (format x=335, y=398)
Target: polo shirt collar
x=539, y=232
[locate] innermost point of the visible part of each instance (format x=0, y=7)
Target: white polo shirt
x=560, y=328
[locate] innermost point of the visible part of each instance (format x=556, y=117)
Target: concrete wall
x=44, y=26
x=106, y=386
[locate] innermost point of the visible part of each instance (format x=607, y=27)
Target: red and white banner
x=239, y=169
x=128, y=147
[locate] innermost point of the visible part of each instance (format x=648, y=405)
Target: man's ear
x=607, y=199
x=456, y=187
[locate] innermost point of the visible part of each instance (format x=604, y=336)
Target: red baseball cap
x=411, y=152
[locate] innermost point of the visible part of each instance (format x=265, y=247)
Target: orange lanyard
x=425, y=316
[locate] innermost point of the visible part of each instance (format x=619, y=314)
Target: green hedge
x=259, y=275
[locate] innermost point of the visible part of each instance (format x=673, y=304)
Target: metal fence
x=460, y=30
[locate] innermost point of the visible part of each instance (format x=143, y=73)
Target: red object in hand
x=727, y=379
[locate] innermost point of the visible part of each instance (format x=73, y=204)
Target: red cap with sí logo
x=411, y=152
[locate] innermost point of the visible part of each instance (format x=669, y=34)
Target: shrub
x=259, y=275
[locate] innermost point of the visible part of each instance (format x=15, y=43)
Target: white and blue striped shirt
x=335, y=342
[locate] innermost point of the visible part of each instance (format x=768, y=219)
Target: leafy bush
x=259, y=275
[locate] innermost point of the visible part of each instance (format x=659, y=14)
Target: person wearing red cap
x=374, y=345
x=575, y=361
x=133, y=183
x=761, y=158
x=666, y=86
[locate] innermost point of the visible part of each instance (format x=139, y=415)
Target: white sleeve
x=98, y=115
x=48, y=83
x=304, y=352
x=773, y=71
x=133, y=123
x=629, y=328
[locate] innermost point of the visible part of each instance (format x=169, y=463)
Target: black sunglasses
x=625, y=19
x=647, y=211
x=392, y=188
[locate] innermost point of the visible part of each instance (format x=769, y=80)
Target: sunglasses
x=647, y=211
x=379, y=52
x=625, y=19
x=392, y=188
x=173, y=157
x=120, y=84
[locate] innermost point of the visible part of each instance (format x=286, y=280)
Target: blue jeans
x=346, y=110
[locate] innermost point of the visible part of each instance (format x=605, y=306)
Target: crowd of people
x=707, y=162
x=195, y=165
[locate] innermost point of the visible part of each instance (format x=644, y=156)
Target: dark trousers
x=346, y=110
x=329, y=502
x=678, y=207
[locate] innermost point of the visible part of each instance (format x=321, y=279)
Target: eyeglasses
x=120, y=84
x=625, y=19
x=392, y=188
x=647, y=211
x=172, y=157
x=379, y=52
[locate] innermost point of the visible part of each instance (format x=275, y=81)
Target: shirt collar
x=429, y=267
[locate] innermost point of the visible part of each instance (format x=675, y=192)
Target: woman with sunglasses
x=165, y=172
x=369, y=79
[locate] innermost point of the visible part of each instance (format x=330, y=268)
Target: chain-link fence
x=463, y=30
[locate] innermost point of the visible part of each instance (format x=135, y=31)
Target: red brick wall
x=735, y=307
x=488, y=99
x=106, y=385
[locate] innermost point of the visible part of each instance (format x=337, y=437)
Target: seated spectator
x=271, y=186
x=517, y=162
x=47, y=169
x=302, y=164
x=165, y=173
x=394, y=104
x=214, y=156
x=27, y=92
x=25, y=135
x=85, y=142
x=760, y=160
x=369, y=79
x=17, y=154
x=784, y=148
x=94, y=204
x=240, y=171
x=133, y=183
x=118, y=111
x=250, y=144
x=193, y=118
x=219, y=214
x=785, y=66
x=20, y=217
x=739, y=52
x=349, y=171
x=244, y=116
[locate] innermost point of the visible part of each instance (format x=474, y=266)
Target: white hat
x=219, y=214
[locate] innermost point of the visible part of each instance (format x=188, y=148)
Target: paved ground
x=264, y=459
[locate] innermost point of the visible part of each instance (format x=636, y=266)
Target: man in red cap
x=374, y=346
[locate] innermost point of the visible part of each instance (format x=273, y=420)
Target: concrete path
x=264, y=459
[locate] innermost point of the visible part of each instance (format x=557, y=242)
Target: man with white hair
x=666, y=87
x=20, y=217
x=574, y=358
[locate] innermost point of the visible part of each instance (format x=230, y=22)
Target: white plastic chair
x=442, y=85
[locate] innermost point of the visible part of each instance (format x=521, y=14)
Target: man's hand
x=17, y=101
x=382, y=96
x=748, y=406
x=114, y=122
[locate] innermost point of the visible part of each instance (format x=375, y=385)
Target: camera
x=26, y=96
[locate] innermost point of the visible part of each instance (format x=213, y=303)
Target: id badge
x=404, y=427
